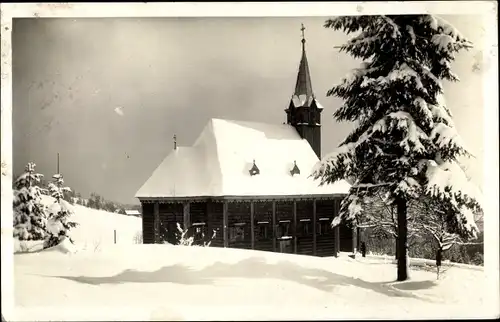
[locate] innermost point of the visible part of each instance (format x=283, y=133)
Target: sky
x=108, y=94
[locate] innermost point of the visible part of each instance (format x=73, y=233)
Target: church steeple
x=303, y=85
x=304, y=112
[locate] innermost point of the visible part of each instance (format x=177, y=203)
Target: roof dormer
x=295, y=170
x=254, y=170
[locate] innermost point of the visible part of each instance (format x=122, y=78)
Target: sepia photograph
x=187, y=162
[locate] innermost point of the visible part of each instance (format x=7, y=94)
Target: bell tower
x=304, y=112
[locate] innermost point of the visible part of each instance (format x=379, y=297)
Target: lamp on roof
x=295, y=169
x=254, y=170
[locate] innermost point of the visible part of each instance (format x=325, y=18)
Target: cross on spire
x=303, y=85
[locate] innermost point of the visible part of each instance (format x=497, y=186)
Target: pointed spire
x=304, y=85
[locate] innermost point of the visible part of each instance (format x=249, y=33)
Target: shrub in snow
x=404, y=144
x=184, y=240
x=59, y=213
x=30, y=220
x=438, y=222
x=138, y=238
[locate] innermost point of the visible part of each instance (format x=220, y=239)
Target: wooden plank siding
x=239, y=225
x=336, y=234
x=345, y=235
x=263, y=223
x=157, y=227
x=199, y=223
x=170, y=215
x=186, y=215
x=215, y=214
x=225, y=223
x=314, y=227
x=284, y=226
x=148, y=223
x=305, y=222
x=325, y=241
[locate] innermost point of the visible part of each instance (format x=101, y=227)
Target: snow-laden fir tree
x=30, y=220
x=404, y=144
x=59, y=213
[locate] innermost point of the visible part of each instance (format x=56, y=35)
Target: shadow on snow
x=251, y=268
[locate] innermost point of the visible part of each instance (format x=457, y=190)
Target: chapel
x=248, y=185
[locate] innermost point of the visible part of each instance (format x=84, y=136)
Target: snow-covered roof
x=218, y=164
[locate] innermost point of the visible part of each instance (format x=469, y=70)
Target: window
x=283, y=228
x=324, y=226
x=237, y=232
x=262, y=231
x=199, y=229
x=305, y=227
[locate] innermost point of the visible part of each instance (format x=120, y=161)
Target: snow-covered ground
x=96, y=228
x=101, y=280
x=165, y=282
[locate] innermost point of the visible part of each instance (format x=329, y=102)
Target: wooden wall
x=198, y=222
x=148, y=223
x=263, y=213
x=214, y=210
x=307, y=234
x=285, y=227
x=170, y=215
x=305, y=227
x=325, y=239
x=239, y=225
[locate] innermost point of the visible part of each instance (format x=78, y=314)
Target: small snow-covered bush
x=184, y=240
x=138, y=238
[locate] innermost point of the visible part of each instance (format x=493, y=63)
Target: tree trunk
x=403, y=262
x=439, y=257
x=397, y=247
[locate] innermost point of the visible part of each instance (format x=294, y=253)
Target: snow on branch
x=448, y=180
x=440, y=113
x=446, y=137
x=403, y=121
x=440, y=24
x=400, y=73
x=371, y=185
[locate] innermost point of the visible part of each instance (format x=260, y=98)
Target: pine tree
x=60, y=212
x=404, y=144
x=30, y=220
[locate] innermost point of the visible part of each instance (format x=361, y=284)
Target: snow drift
x=164, y=282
